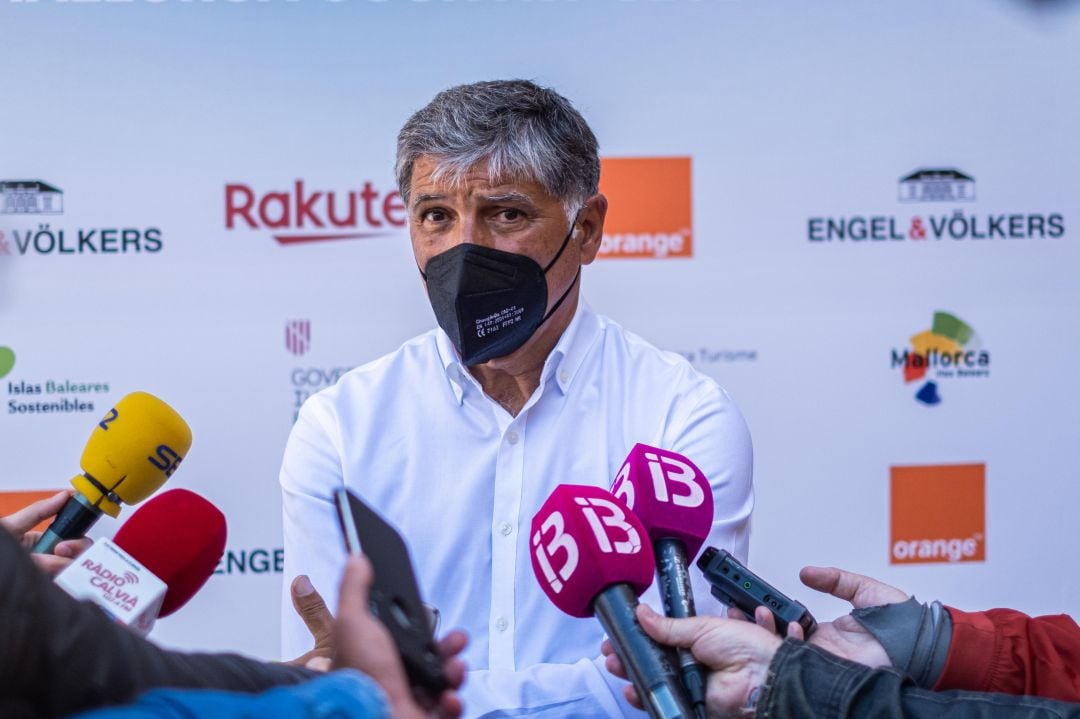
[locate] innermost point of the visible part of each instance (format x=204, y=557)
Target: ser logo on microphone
x=673, y=480
x=167, y=459
x=612, y=533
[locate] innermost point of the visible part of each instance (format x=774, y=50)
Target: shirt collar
x=562, y=364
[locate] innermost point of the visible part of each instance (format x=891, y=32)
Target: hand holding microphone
x=674, y=502
x=590, y=557
x=156, y=562
x=131, y=452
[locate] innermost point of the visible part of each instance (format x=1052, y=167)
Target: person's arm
x=805, y=680
x=1003, y=650
x=60, y=656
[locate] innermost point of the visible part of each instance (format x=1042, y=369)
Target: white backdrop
x=142, y=113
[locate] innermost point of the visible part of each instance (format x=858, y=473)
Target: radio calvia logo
x=650, y=210
x=937, y=513
x=949, y=349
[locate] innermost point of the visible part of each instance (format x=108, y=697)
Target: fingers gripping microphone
x=674, y=502
x=158, y=560
x=588, y=554
x=131, y=452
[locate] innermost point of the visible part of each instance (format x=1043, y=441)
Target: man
x=460, y=435
x=881, y=660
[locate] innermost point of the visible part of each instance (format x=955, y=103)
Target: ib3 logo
x=949, y=350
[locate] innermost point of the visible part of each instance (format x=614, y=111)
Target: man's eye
x=434, y=215
x=511, y=214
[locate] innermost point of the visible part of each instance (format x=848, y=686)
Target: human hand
x=312, y=608
x=736, y=653
x=21, y=522
x=845, y=636
x=362, y=642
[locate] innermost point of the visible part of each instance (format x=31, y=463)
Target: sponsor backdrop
x=863, y=221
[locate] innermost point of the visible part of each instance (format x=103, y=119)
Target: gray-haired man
x=459, y=436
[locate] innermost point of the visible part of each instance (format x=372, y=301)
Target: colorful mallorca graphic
x=7, y=361
x=937, y=513
x=949, y=349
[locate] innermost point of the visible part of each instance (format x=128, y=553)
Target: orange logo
x=938, y=513
x=649, y=211
x=11, y=502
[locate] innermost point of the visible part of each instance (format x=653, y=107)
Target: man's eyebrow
x=509, y=197
x=427, y=198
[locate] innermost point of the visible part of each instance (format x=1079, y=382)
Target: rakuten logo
x=649, y=202
x=300, y=215
x=937, y=550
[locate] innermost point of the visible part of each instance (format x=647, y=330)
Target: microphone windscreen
x=180, y=537
x=131, y=452
x=583, y=540
x=668, y=493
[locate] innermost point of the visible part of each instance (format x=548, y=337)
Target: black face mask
x=488, y=301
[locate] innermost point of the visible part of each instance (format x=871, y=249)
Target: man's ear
x=591, y=226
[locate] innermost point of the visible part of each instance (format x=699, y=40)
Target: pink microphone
x=674, y=502
x=591, y=557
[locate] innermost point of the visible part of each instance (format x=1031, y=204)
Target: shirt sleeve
x=310, y=471
x=331, y=696
x=1003, y=650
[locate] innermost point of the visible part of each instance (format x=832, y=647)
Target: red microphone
x=180, y=537
x=590, y=557
x=674, y=502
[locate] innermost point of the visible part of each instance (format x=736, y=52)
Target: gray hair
x=521, y=130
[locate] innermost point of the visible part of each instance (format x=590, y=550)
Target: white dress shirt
x=413, y=434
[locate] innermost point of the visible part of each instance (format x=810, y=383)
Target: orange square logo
x=938, y=513
x=11, y=502
x=649, y=208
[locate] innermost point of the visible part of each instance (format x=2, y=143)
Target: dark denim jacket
x=805, y=681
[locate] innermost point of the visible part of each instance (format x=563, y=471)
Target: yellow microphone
x=132, y=451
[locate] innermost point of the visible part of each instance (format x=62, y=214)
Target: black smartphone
x=395, y=595
x=736, y=586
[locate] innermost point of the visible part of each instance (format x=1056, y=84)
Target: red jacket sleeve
x=1002, y=650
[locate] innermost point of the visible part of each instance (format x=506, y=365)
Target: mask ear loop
x=552, y=263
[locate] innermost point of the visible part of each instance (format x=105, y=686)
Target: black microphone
x=674, y=502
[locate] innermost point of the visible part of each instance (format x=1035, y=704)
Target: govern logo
x=11, y=502
x=938, y=513
x=650, y=207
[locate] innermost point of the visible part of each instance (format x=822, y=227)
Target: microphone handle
x=73, y=522
x=646, y=662
x=678, y=598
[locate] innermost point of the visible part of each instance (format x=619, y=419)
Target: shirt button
x=564, y=377
x=512, y=437
x=501, y=624
x=506, y=528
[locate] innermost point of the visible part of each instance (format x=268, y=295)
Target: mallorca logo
x=937, y=185
x=30, y=197
x=24, y=198
x=298, y=336
x=651, y=211
x=949, y=349
x=298, y=215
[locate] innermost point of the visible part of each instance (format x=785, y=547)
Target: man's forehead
x=430, y=179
